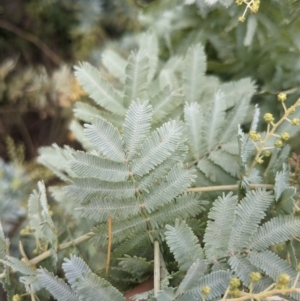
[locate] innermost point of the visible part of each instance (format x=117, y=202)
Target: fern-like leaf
x=226, y=161
x=19, y=266
x=56, y=159
x=136, y=127
x=74, y=268
x=191, y=279
x=243, y=268
x=39, y=216
x=85, y=112
x=87, y=165
x=177, y=180
x=105, y=138
x=278, y=230
x=164, y=102
x=138, y=267
x=271, y=264
x=194, y=120
x=184, y=207
x=100, y=209
x=214, y=120
x=121, y=229
x=161, y=144
x=148, y=42
x=247, y=217
x=56, y=286
x=115, y=64
x=84, y=189
x=136, y=77
x=90, y=287
x=281, y=181
x=218, y=282
x=98, y=89
x=183, y=244
x=237, y=114
x=193, y=74
x=218, y=230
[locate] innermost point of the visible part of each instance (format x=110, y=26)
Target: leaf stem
x=156, y=268
x=228, y=187
x=63, y=246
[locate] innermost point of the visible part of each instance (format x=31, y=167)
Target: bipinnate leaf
x=281, y=181
x=177, y=180
x=74, y=268
x=158, y=147
x=214, y=121
x=219, y=226
x=98, y=89
x=19, y=266
x=164, y=102
x=194, y=120
x=56, y=159
x=39, y=216
x=137, y=266
x=84, y=189
x=166, y=294
x=248, y=215
x=136, y=77
x=86, y=284
x=218, y=281
x=193, y=73
x=91, y=287
x=56, y=286
x=191, y=279
x=87, y=165
x=99, y=209
x=271, y=264
x=136, y=126
x=278, y=230
x=242, y=267
x=106, y=139
x=148, y=42
x=114, y=63
x=183, y=244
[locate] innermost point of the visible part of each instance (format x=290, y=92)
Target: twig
x=63, y=246
x=33, y=39
x=265, y=294
x=228, y=187
x=156, y=268
x=109, y=237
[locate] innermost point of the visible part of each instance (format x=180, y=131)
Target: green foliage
x=155, y=134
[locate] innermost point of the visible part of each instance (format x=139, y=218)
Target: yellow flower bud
x=266, y=153
x=235, y=293
x=285, y=136
x=268, y=117
x=235, y=282
x=239, y=2
x=295, y=121
x=16, y=297
x=259, y=161
x=206, y=290
x=254, y=8
x=278, y=143
x=241, y=19
x=283, y=279
x=255, y=277
x=281, y=97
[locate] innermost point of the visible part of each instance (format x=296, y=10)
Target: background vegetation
x=41, y=41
